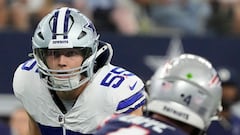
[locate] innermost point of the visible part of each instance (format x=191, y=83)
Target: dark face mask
x=227, y=104
x=231, y=91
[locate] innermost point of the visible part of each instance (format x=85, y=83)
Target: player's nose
x=62, y=61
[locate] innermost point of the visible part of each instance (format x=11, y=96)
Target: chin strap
x=103, y=56
x=58, y=102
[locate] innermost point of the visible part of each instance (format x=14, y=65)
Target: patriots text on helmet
x=175, y=112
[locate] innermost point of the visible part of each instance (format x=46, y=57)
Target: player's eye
x=65, y=52
x=54, y=53
x=72, y=52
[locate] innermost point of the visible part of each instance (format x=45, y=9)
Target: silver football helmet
x=65, y=28
x=187, y=89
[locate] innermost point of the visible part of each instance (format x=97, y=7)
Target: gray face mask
x=72, y=82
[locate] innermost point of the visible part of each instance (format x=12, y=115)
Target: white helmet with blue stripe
x=65, y=28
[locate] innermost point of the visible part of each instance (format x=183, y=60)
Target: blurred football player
x=229, y=122
x=184, y=96
x=70, y=85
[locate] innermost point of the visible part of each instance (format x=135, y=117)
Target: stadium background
x=129, y=51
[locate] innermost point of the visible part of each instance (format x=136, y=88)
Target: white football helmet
x=186, y=89
x=65, y=28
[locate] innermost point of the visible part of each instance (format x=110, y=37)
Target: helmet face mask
x=65, y=32
x=186, y=89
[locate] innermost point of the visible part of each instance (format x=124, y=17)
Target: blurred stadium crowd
x=131, y=17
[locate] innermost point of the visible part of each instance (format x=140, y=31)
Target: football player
x=70, y=86
x=184, y=96
x=229, y=122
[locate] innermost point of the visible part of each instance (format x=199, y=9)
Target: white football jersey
x=111, y=90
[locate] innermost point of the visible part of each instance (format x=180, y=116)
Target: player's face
x=63, y=59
